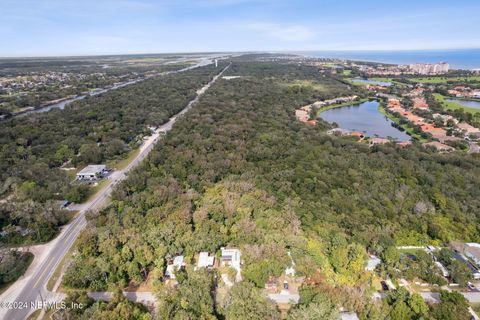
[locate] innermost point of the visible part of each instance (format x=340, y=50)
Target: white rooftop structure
x=290, y=271
x=205, y=260
x=231, y=257
x=472, y=250
x=442, y=268
x=373, y=262
x=176, y=265
x=91, y=172
x=349, y=316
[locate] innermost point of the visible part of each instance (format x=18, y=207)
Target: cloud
x=281, y=31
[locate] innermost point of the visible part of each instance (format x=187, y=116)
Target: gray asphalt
x=34, y=290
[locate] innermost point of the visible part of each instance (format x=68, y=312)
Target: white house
x=472, y=250
x=231, y=257
x=442, y=268
x=174, y=265
x=372, y=263
x=290, y=271
x=92, y=172
x=205, y=260
x=348, y=316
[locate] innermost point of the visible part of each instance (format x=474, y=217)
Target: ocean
x=457, y=58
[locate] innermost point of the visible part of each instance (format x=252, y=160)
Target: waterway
x=466, y=103
x=63, y=103
x=366, y=118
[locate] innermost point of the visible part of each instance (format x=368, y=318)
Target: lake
x=466, y=103
x=373, y=82
x=365, y=118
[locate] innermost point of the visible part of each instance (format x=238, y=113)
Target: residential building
x=231, y=257
x=428, y=68
x=472, y=251
x=374, y=141
x=444, y=118
x=174, y=265
x=433, y=130
x=438, y=146
x=92, y=172
x=467, y=128
x=205, y=260
x=372, y=263
x=420, y=103
x=349, y=316
x=442, y=268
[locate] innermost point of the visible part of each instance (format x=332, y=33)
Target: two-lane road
x=32, y=289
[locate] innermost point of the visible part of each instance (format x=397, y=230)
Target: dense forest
x=35, y=150
x=239, y=170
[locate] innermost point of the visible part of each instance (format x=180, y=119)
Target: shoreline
x=341, y=105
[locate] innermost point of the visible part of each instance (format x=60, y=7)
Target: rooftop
x=92, y=169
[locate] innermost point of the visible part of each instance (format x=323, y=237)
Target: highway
x=27, y=294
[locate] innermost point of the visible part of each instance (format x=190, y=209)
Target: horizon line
x=231, y=51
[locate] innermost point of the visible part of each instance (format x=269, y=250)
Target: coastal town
x=351, y=105
x=439, y=112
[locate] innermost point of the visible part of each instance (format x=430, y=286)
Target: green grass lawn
x=382, y=79
x=437, y=80
x=308, y=84
x=453, y=105
x=347, y=72
x=122, y=163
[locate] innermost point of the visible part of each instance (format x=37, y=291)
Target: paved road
x=33, y=289
x=146, y=298
x=472, y=297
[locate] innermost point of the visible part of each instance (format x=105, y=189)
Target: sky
x=91, y=27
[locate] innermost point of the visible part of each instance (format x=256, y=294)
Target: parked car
x=384, y=285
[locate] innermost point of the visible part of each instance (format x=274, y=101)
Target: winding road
x=27, y=294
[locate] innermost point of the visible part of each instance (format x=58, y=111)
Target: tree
x=63, y=153
x=401, y=311
x=314, y=311
x=245, y=302
x=90, y=153
x=460, y=272
x=418, y=305
x=192, y=298
x=452, y=306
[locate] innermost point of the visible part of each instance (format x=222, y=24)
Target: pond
x=373, y=82
x=366, y=118
x=466, y=103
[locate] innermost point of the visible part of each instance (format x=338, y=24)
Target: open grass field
x=307, y=84
x=453, y=105
x=347, y=72
x=120, y=164
x=382, y=79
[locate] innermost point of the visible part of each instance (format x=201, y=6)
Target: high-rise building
x=428, y=68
